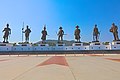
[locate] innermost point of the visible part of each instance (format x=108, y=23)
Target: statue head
x=27, y=26
x=44, y=28
x=77, y=26
x=113, y=24
x=7, y=25
x=95, y=25
x=60, y=28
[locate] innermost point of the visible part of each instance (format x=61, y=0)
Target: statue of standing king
x=77, y=33
x=44, y=34
x=27, y=33
x=7, y=32
x=114, y=30
x=60, y=34
x=96, y=34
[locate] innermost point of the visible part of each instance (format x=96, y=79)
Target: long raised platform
x=76, y=48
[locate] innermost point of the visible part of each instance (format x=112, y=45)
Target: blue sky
x=56, y=13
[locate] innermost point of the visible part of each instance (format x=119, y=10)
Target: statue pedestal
x=77, y=44
x=95, y=43
x=95, y=46
x=116, y=40
x=116, y=43
x=25, y=44
x=5, y=42
x=99, y=46
x=60, y=44
x=6, y=46
x=43, y=44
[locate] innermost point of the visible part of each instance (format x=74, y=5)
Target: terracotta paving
x=4, y=60
x=59, y=60
x=70, y=67
x=118, y=60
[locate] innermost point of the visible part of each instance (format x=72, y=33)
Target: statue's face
x=113, y=24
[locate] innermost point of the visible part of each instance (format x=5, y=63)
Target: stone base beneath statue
x=77, y=44
x=5, y=42
x=94, y=41
x=116, y=42
x=43, y=44
x=60, y=44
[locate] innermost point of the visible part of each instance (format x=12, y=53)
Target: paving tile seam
x=28, y=70
x=70, y=69
x=101, y=65
x=7, y=65
x=72, y=73
x=24, y=73
x=105, y=64
x=113, y=59
x=64, y=60
x=2, y=60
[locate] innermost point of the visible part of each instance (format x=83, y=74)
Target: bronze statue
x=77, y=33
x=96, y=34
x=44, y=34
x=60, y=34
x=7, y=32
x=114, y=30
x=27, y=33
